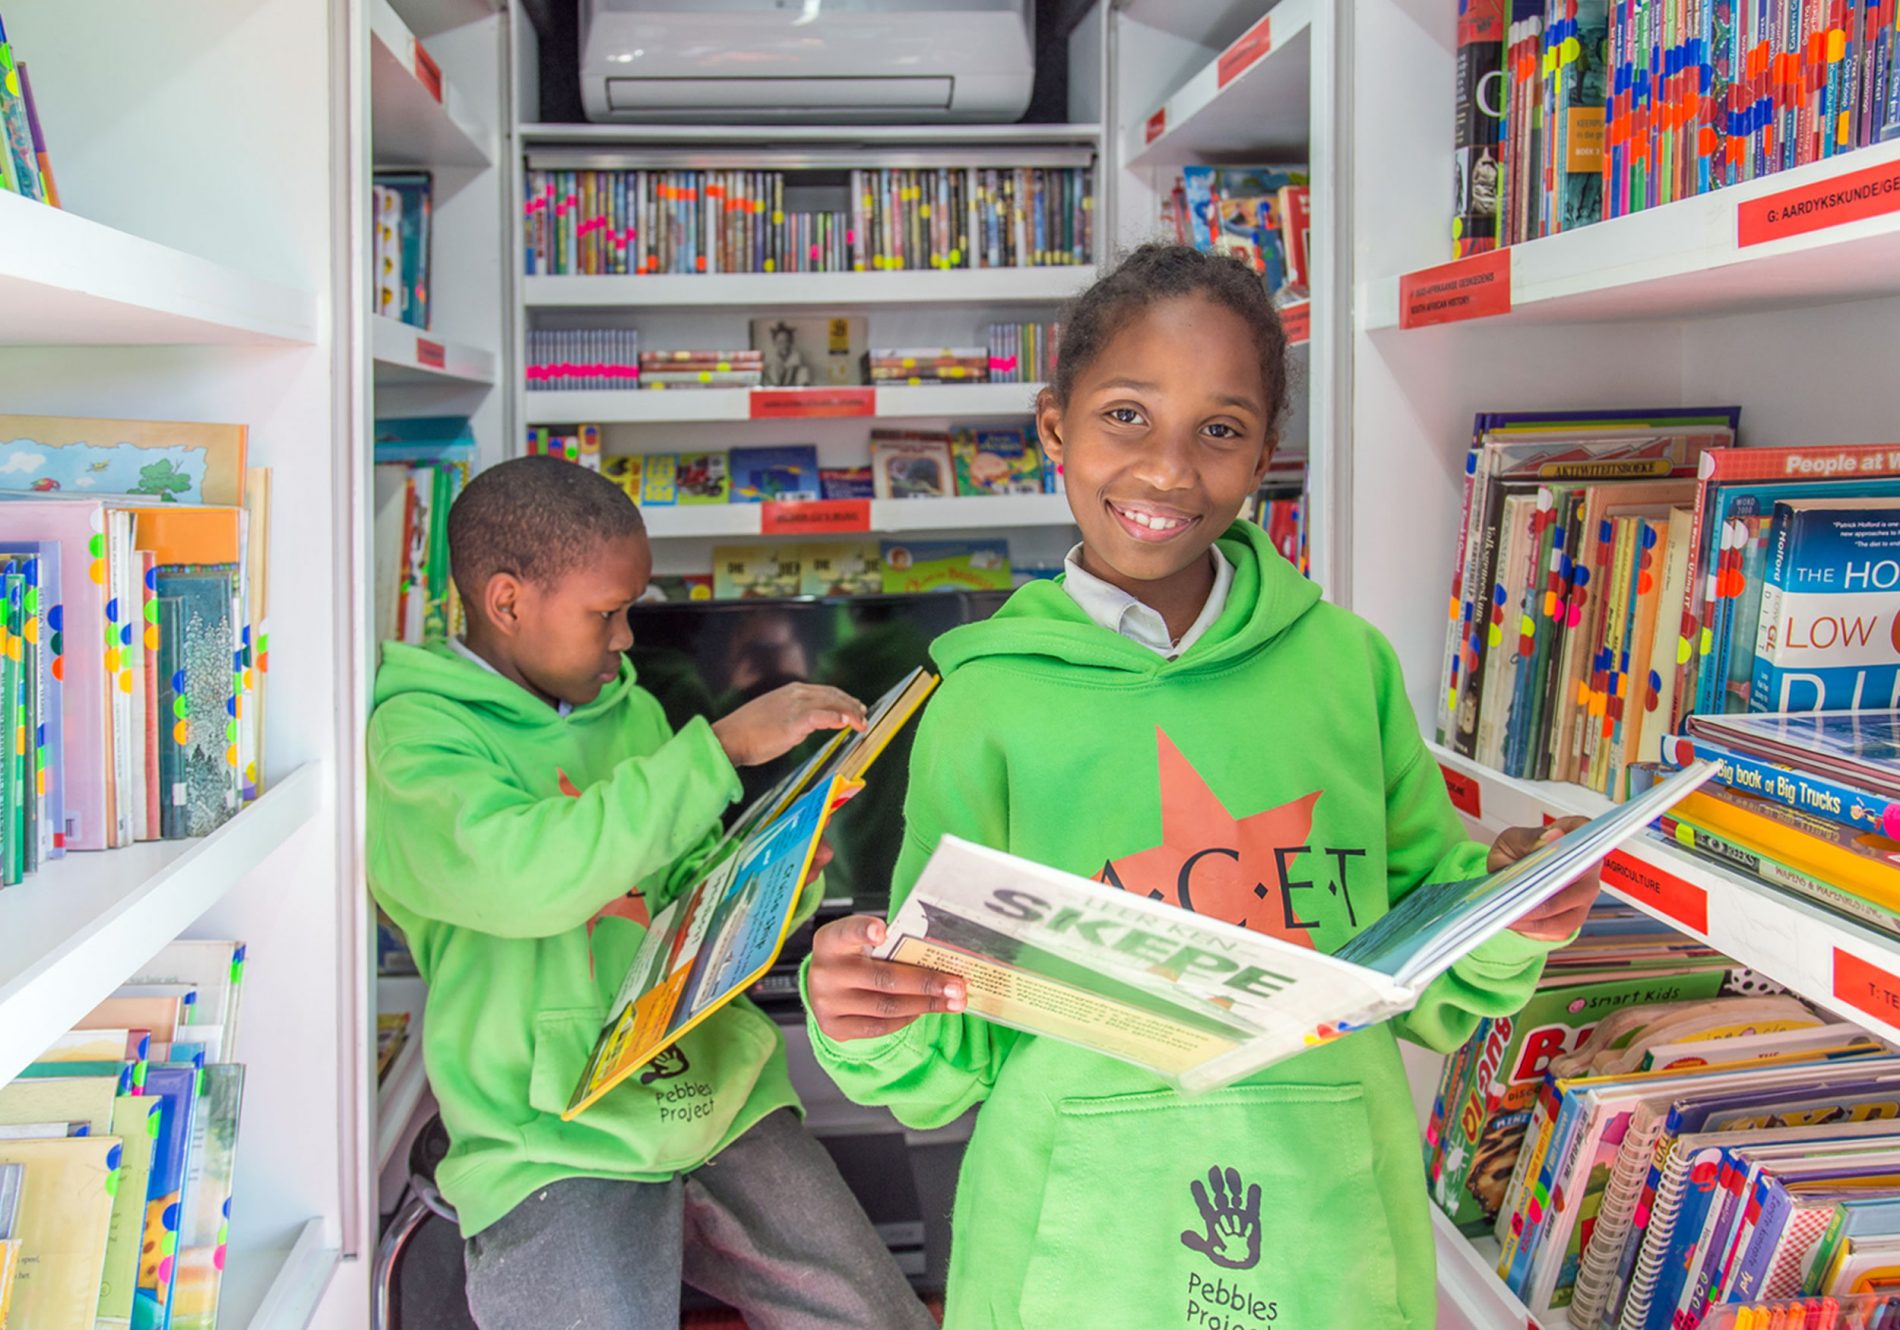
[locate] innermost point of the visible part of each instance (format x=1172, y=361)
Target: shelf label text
x=1866, y=987
x=1662, y=891
x=812, y=403
x=427, y=72
x=822, y=517
x=1849, y=197
x=1157, y=125
x=1473, y=288
x=431, y=355
x=1298, y=322
x=1466, y=794
x=1246, y=49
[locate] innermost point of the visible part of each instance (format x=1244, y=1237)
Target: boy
x=528, y=810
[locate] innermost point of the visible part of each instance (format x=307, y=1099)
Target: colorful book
x=912, y=466
x=136, y=1122
x=946, y=565
x=702, y=478
x=1829, y=637
x=155, y=460
x=206, y=792
x=846, y=569
x=65, y=1226
x=756, y=572
x=213, y=970
x=784, y=474
x=207, y=1199
x=175, y=1085
x=993, y=461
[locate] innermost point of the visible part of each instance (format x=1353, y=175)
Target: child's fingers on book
x=849, y=937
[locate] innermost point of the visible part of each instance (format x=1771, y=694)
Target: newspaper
x=1198, y=1001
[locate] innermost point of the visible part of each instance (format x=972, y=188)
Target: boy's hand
x=773, y=725
x=853, y=996
x=819, y=858
x=1561, y=915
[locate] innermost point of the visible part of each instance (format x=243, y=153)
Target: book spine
x=1713, y=845
x=1799, y=791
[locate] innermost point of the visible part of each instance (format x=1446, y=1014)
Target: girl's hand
x=773, y=725
x=853, y=996
x=1561, y=915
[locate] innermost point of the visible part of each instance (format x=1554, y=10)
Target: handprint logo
x=670, y=1063
x=1232, y=1240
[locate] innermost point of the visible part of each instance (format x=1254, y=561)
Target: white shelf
x=1265, y=108
x=276, y=1287
x=403, y=1088
x=408, y=355
x=70, y=933
x=775, y=136
x=67, y=281
x=428, y=17
x=678, y=406
x=974, y=286
x=1468, y=1281
x=417, y=116
x=888, y=516
x=1786, y=937
x=1683, y=259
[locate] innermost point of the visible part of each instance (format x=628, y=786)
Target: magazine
x=714, y=940
x=1198, y=1001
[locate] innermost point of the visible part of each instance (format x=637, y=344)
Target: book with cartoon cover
x=716, y=938
x=1197, y=1001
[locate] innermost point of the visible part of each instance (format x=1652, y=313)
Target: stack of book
x=1807, y=802
x=583, y=358
x=1259, y=214
x=420, y=466
x=700, y=369
x=928, y=364
x=857, y=568
x=118, y=1153
x=631, y=222
x=151, y=537
x=402, y=203
x=1608, y=108
x=1023, y=352
x=25, y=167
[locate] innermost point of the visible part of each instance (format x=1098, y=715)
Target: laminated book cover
x=136, y=1122
x=702, y=478
x=42, y=559
x=64, y=1225
x=207, y=1203
x=1829, y=636
x=946, y=565
x=86, y=1100
x=851, y=568
x=659, y=486
x=175, y=1085
x=205, y=794
x=912, y=466
x=784, y=474
x=213, y=969
x=756, y=572
x=154, y=461
x=996, y=461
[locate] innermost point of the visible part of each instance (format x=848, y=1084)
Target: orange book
x=1851, y=872
x=180, y=534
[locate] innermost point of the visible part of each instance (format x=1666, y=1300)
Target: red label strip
x=1473, y=288
x=1248, y=48
x=1662, y=891
x=1466, y=794
x=430, y=354
x=1298, y=322
x=1852, y=197
x=1157, y=125
x=812, y=403
x=815, y=518
x=428, y=73
x=1866, y=987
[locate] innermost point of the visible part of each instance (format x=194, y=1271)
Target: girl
x=1179, y=716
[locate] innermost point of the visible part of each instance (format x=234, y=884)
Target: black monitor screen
x=708, y=658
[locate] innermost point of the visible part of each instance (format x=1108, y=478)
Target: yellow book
x=1806, y=854
x=86, y=1099
x=65, y=1221
x=135, y=1122
x=9, y=1266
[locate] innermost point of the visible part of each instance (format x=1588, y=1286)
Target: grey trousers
x=767, y=1226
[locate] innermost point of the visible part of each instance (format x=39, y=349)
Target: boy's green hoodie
x=1273, y=776
x=503, y=840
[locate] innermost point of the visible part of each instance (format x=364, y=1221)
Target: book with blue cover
x=1830, y=617
x=785, y=474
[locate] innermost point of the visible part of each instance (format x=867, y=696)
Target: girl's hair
x=1156, y=272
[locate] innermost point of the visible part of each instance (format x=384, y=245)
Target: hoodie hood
x=1043, y=620
x=436, y=670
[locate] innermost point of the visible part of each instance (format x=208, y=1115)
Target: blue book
x=1829, y=637
x=175, y=1085
x=42, y=557
x=785, y=474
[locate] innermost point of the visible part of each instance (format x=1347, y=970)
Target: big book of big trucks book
x=716, y=939
x=1199, y=1002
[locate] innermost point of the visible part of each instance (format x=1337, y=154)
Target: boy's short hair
x=536, y=518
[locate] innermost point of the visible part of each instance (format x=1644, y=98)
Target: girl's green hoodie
x=503, y=840
x=1273, y=776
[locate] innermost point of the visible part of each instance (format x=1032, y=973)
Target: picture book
x=624, y=469
x=810, y=352
x=157, y=461
x=846, y=482
x=10, y=1260
x=135, y=1123
x=757, y=572
x=207, y=1199
x=87, y=1100
x=853, y=569
x=212, y=970
x=1860, y=748
x=714, y=940
x=785, y=474
x=205, y=795
x=1829, y=638
x=702, y=478
x=1792, y=785
x=946, y=565
x=64, y=1226
x=659, y=477
x=175, y=1085
x=1197, y=1001
x=996, y=460
x=911, y=466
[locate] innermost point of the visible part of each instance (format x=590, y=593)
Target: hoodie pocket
x=670, y=1115
x=1251, y=1208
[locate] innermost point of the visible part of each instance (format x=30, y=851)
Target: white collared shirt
x=462, y=649
x=1119, y=612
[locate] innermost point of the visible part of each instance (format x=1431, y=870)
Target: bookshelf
x=808, y=290
x=1254, y=98
x=407, y=356
x=672, y=407
x=421, y=115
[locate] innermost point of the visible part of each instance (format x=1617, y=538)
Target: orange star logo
x=1210, y=862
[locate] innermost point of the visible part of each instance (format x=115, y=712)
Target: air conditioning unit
x=806, y=61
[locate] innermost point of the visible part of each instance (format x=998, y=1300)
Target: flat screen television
x=707, y=658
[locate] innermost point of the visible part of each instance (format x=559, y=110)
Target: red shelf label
x=1846, y=198
x=1866, y=987
x=823, y=517
x=431, y=354
x=1249, y=47
x=1473, y=288
x=1649, y=885
x=1157, y=125
x=1466, y=794
x=1298, y=322
x=428, y=73
x=812, y=403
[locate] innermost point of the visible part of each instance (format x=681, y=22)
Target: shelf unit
x=732, y=405
x=409, y=356
x=1252, y=102
x=808, y=290
x=887, y=516
x=421, y=118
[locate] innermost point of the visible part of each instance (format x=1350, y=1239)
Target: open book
x=714, y=940
x=1198, y=1001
